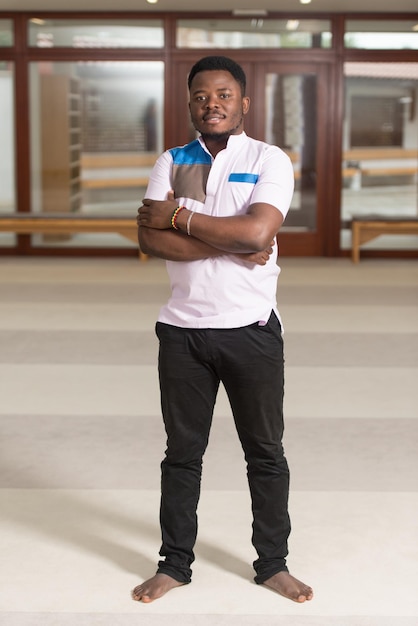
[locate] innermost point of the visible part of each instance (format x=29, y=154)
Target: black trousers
x=249, y=362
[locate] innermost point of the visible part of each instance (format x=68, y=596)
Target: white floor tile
x=82, y=551
x=79, y=390
x=351, y=392
x=133, y=390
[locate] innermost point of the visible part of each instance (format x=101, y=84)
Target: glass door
x=380, y=149
x=97, y=129
x=294, y=117
x=7, y=146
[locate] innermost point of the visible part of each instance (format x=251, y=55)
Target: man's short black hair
x=219, y=63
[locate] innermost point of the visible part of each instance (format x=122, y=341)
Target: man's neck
x=217, y=143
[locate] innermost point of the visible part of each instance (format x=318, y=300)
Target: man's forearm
x=174, y=246
x=247, y=233
x=250, y=232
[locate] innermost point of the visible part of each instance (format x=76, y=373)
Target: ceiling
x=285, y=6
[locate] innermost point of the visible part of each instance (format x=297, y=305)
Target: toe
x=146, y=599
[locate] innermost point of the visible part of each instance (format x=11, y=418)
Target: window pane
x=99, y=33
x=253, y=33
x=291, y=125
x=380, y=157
x=7, y=147
x=381, y=35
x=6, y=33
x=96, y=131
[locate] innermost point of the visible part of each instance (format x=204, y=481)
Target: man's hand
x=258, y=258
x=157, y=213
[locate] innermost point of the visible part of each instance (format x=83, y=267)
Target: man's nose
x=211, y=102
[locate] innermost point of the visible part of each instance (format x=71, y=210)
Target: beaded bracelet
x=174, y=217
x=189, y=219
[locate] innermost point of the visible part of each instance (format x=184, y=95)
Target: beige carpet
x=82, y=439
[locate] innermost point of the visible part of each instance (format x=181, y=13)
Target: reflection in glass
x=253, y=33
x=6, y=33
x=98, y=33
x=291, y=125
x=381, y=35
x=380, y=146
x=96, y=130
x=7, y=146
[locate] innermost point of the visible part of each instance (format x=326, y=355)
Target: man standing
x=213, y=210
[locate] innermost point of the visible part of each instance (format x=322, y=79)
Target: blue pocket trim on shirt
x=237, y=177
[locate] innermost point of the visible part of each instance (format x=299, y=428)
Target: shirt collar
x=233, y=141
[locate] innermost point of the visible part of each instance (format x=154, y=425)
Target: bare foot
x=289, y=587
x=154, y=588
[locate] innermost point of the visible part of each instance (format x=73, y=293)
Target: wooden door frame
x=324, y=239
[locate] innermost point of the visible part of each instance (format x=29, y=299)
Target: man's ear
x=245, y=105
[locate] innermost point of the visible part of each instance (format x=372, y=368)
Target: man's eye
x=225, y=95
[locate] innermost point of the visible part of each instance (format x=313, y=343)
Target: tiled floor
x=81, y=442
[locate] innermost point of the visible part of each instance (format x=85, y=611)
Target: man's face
x=216, y=105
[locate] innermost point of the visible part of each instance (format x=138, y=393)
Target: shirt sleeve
x=160, y=180
x=276, y=181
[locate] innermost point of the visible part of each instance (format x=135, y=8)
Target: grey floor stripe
x=141, y=348
x=87, y=347
x=348, y=295
x=124, y=293
x=130, y=293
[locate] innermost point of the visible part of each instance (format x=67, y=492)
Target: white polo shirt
x=222, y=292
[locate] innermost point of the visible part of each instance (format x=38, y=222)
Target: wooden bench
x=118, y=170
x=384, y=162
x=114, y=182
x=69, y=223
x=389, y=171
x=364, y=228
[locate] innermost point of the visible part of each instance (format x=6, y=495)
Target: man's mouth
x=213, y=119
